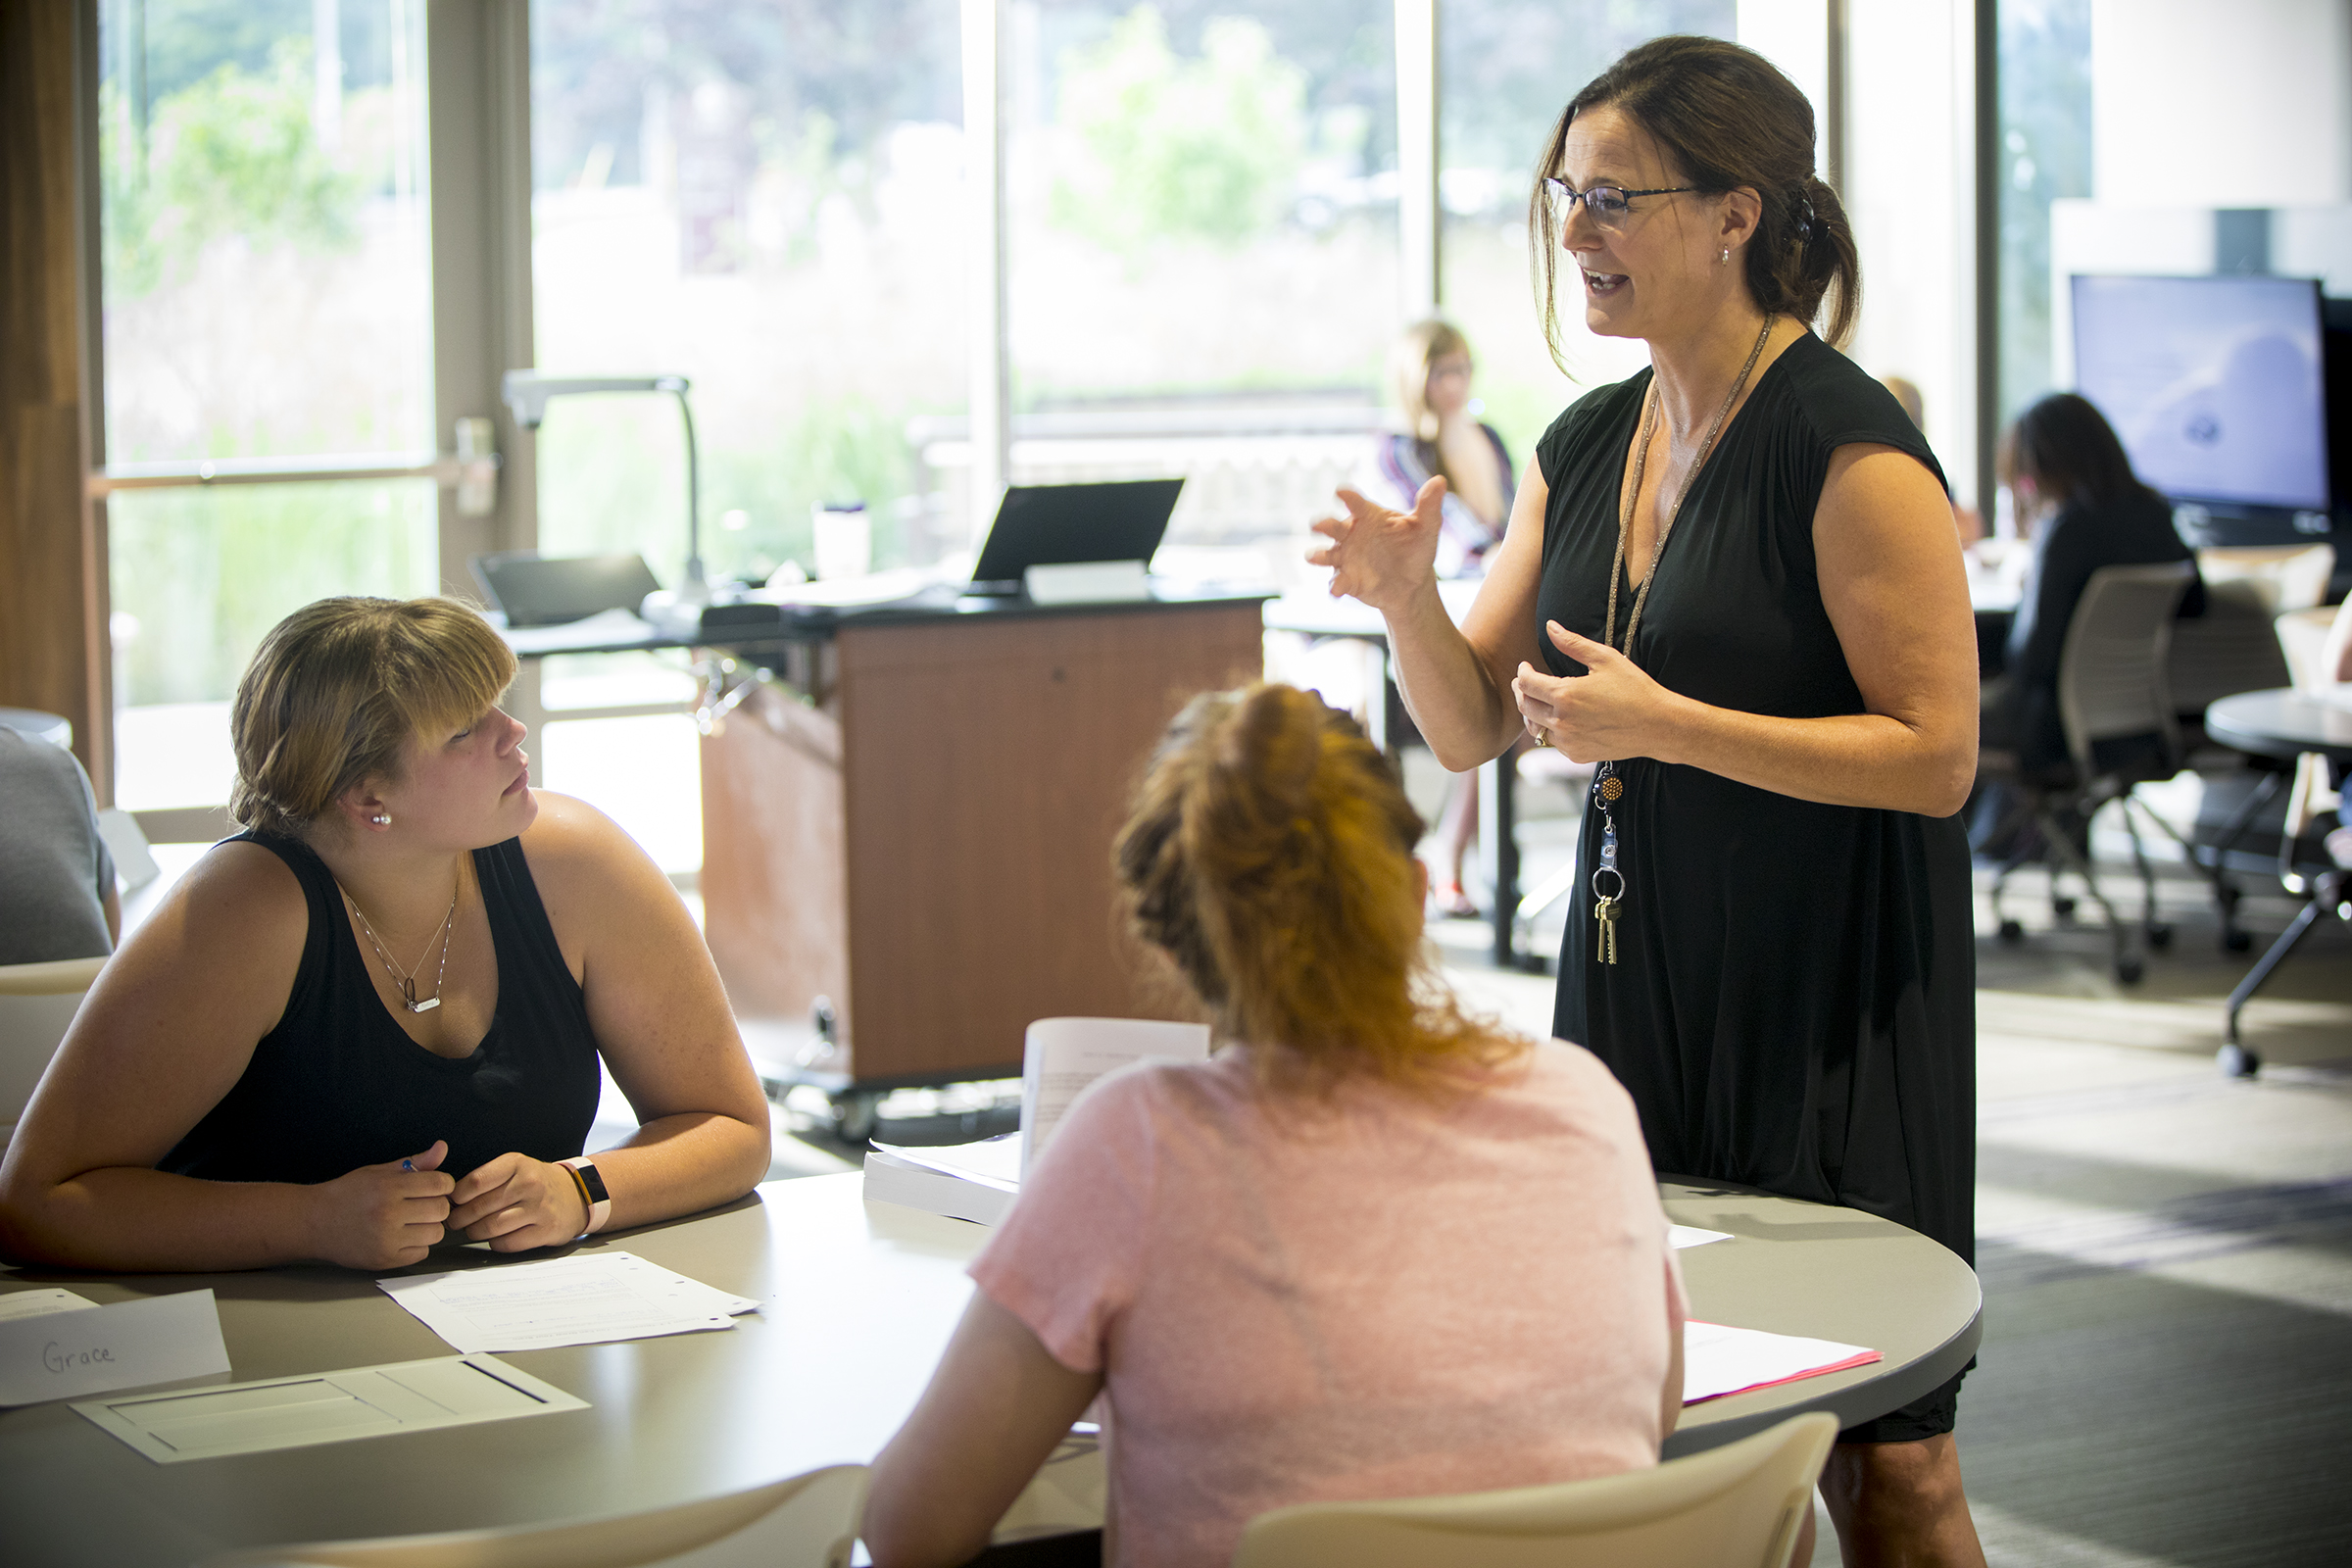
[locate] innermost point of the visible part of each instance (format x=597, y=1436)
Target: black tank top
x=336, y=1085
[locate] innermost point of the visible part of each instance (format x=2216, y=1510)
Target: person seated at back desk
x=374, y=1017
x=1372, y=1249
x=57, y=880
x=2064, y=465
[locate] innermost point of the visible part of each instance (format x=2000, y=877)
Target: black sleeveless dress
x=1794, y=1004
x=336, y=1085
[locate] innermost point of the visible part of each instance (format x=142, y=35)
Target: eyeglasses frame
x=1558, y=188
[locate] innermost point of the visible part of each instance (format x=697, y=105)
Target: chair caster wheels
x=2128, y=971
x=853, y=1118
x=2236, y=941
x=2012, y=933
x=2237, y=1061
x=2160, y=937
x=2062, y=909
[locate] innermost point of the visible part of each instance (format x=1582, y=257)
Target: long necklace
x=407, y=982
x=1608, y=787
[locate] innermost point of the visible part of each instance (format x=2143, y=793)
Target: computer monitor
x=2216, y=385
x=535, y=590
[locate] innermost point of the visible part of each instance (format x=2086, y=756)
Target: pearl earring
x=1727, y=253
x=380, y=820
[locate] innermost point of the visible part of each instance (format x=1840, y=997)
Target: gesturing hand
x=1610, y=712
x=1381, y=556
x=382, y=1216
x=515, y=1202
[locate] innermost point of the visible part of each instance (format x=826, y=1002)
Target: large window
x=777, y=194
x=266, y=303
x=1505, y=71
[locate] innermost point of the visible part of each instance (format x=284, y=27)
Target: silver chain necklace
x=1608, y=787
x=407, y=982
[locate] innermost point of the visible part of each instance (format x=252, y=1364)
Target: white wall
x=1795, y=36
x=2246, y=103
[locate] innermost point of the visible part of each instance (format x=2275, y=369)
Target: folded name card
x=70, y=1349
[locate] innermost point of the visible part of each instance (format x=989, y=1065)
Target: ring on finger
x=1537, y=730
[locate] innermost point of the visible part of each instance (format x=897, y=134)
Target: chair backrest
x=1736, y=1506
x=2112, y=681
x=810, y=1521
x=2234, y=647
x=2283, y=577
x=38, y=1002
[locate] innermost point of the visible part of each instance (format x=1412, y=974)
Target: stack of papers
x=977, y=1182
x=588, y=1299
x=1718, y=1360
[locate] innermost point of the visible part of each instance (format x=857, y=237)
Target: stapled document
x=300, y=1412
x=587, y=1299
x=64, y=1349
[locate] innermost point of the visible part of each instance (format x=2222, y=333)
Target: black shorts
x=1930, y=1415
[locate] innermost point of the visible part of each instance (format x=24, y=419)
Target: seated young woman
x=374, y=1018
x=1372, y=1249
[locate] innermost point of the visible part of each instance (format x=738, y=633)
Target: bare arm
x=1455, y=680
x=994, y=1409
x=1897, y=596
x=663, y=1024
x=166, y=1030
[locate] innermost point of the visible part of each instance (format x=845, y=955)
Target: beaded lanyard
x=1608, y=787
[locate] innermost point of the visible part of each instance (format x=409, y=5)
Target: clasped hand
x=1608, y=713
x=389, y=1215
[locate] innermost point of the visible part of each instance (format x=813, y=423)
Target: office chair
x=809, y=1521
x=37, y=1003
x=2232, y=647
x=2117, y=711
x=1740, y=1504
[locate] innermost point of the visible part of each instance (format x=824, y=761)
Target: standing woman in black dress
x=1732, y=580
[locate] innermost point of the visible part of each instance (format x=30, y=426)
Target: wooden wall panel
x=53, y=602
x=988, y=765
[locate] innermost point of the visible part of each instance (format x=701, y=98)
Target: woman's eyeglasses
x=1607, y=205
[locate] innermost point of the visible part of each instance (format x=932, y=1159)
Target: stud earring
x=1727, y=253
x=380, y=820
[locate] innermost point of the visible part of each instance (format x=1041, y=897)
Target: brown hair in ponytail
x=1726, y=117
x=1270, y=855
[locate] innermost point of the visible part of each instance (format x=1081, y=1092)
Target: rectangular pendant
x=427, y=1005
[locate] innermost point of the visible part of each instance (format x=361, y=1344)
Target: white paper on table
x=39, y=1304
x=2335, y=696
x=1679, y=1237
x=588, y=1299
x=1718, y=1359
x=299, y=1412
x=70, y=1350
x=1060, y=1057
x=996, y=1161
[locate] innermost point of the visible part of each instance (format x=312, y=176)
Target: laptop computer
x=536, y=590
x=1063, y=524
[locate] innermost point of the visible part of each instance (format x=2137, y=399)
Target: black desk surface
x=619, y=633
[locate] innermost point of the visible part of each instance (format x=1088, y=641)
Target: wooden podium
x=918, y=832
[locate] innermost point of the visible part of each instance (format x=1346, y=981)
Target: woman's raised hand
x=1610, y=712
x=515, y=1202
x=382, y=1216
x=1380, y=557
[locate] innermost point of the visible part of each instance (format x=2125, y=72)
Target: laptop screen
x=1059, y=524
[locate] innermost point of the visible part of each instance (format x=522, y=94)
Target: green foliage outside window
x=1206, y=148
x=234, y=154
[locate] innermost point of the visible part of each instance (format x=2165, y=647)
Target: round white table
x=858, y=1299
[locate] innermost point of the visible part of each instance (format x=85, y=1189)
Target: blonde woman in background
x=1430, y=368
x=374, y=1019
x=1372, y=1249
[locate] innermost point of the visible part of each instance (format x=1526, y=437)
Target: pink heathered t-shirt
x=1395, y=1297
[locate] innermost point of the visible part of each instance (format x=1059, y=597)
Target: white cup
x=845, y=541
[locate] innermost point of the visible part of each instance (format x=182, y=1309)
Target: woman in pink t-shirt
x=1374, y=1248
